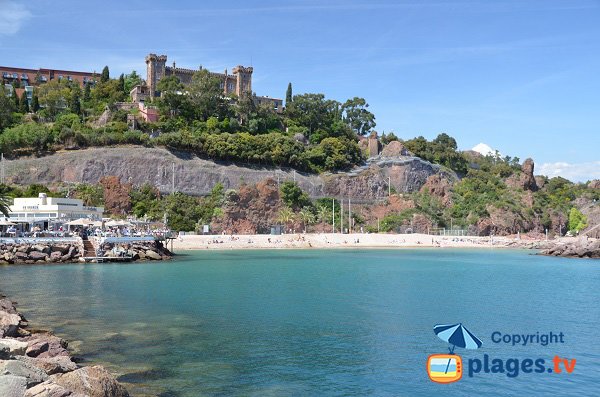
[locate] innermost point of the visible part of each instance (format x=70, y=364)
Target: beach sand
x=331, y=240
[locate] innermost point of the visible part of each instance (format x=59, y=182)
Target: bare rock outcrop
x=395, y=149
x=579, y=248
x=253, y=209
x=438, y=186
x=194, y=175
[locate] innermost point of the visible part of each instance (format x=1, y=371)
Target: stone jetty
x=32, y=251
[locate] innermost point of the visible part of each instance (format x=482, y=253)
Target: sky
x=521, y=76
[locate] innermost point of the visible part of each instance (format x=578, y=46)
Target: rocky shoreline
x=37, y=363
x=73, y=252
x=579, y=248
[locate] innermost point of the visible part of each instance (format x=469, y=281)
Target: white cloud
x=577, y=172
x=12, y=16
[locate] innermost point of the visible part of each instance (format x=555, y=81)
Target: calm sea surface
x=318, y=323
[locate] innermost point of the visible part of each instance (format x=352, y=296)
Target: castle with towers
x=238, y=82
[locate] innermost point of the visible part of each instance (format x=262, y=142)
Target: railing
x=36, y=240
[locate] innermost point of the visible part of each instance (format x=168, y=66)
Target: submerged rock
x=92, y=381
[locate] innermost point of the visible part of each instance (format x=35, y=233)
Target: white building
x=46, y=210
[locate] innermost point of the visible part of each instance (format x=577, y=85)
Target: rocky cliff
x=194, y=175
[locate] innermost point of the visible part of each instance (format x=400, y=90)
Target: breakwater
x=69, y=250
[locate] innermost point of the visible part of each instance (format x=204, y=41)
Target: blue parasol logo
x=457, y=335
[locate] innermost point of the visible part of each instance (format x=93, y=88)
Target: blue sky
x=521, y=76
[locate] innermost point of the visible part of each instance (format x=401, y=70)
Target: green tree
x=35, y=103
x=92, y=195
x=121, y=85
x=577, y=221
x=105, y=75
x=15, y=99
x=288, y=95
x=206, y=95
x=307, y=217
x=293, y=196
x=24, y=104
x=54, y=97
x=6, y=109
x=245, y=109
x=5, y=203
x=286, y=216
x=314, y=112
x=87, y=93
x=131, y=80
x=357, y=116
x=173, y=100
x=75, y=102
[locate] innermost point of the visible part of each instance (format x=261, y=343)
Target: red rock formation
x=116, y=195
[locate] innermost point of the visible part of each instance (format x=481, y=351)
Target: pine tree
x=122, y=83
x=288, y=95
x=35, y=103
x=75, y=104
x=105, y=75
x=23, y=104
x=87, y=93
x=15, y=99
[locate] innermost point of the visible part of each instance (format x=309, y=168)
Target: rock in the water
x=92, y=381
x=49, y=389
x=12, y=386
x=7, y=306
x=33, y=374
x=153, y=255
x=11, y=347
x=9, y=323
x=46, y=345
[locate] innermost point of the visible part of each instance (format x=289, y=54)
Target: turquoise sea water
x=318, y=323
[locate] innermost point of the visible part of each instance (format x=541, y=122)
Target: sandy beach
x=355, y=240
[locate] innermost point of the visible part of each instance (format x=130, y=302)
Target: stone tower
x=244, y=79
x=155, y=70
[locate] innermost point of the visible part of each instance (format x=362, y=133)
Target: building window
x=230, y=86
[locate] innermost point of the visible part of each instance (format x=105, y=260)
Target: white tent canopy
x=5, y=222
x=80, y=222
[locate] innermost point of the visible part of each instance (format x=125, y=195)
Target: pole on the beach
x=349, y=216
x=342, y=216
x=333, y=214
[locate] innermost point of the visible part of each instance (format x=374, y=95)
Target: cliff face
x=193, y=175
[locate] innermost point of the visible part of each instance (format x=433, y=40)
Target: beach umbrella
x=457, y=335
x=79, y=222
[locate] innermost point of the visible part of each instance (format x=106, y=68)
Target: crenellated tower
x=155, y=70
x=244, y=79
